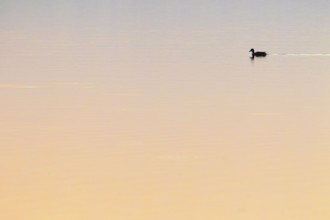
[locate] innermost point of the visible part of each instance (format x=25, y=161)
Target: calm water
x=153, y=110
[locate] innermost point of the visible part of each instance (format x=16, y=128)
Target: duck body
x=258, y=53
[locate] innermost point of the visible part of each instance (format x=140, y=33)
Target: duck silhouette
x=258, y=53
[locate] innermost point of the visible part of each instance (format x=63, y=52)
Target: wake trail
x=302, y=54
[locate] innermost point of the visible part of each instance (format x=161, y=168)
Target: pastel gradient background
x=152, y=110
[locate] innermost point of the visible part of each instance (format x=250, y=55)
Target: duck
x=258, y=53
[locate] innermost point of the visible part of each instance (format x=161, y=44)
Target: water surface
x=153, y=110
